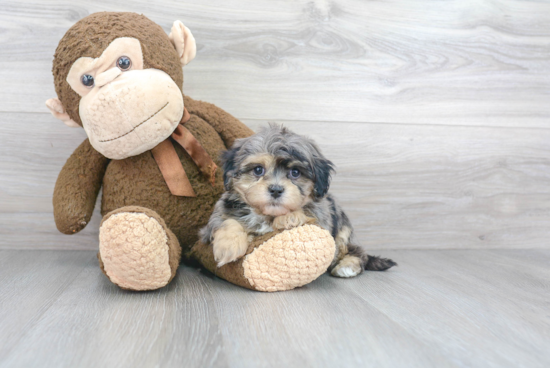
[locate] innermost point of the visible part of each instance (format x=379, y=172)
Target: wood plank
x=482, y=308
x=312, y=326
x=96, y=324
x=444, y=308
x=30, y=283
x=199, y=321
x=29, y=165
x=452, y=62
x=403, y=186
x=28, y=230
x=418, y=186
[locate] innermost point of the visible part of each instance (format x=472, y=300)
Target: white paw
x=349, y=266
x=230, y=242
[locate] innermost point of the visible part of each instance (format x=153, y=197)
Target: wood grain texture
x=30, y=282
x=427, y=186
x=453, y=62
x=345, y=73
x=94, y=323
x=403, y=186
x=445, y=308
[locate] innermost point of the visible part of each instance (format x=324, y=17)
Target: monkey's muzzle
x=131, y=114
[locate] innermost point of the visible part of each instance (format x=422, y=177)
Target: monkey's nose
x=107, y=76
x=276, y=190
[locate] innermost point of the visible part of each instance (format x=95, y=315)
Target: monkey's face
x=125, y=109
x=118, y=75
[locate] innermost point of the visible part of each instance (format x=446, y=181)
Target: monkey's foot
x=136, y=249
x=281, y=260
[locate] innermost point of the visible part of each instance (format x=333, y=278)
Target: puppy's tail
x=375, y=263
x=370, y=263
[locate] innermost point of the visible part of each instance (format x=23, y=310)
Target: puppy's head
x=276, y=171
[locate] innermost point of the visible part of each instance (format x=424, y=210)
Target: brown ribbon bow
x=170, y=165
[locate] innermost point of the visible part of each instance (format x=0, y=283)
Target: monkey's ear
x=183, y=41
x=57, y=110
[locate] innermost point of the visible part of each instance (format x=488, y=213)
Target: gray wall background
x=436, y=113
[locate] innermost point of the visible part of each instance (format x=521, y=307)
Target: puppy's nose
x=276, y=190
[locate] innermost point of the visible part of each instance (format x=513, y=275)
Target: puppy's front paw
x=290, y=220
x=349, y=266
x=230, y=242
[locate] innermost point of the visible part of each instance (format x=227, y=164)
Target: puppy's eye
x=87, y=80
x=259, y=171
x=294, y=173
x=124, y=63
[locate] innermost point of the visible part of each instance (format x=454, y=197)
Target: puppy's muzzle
x=276, y=190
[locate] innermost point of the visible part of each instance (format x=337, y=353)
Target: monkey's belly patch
x=134, y=250
x=290, y=259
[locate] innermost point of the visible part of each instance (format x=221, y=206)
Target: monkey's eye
x=124, y=63
x=294, y=173
x=259, y=171
x=87, y=80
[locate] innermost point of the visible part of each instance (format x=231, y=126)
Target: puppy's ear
x=229, y=167
x=322, y=170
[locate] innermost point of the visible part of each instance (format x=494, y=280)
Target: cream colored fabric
x=183, y=41
x=57, y=110
x=290, y=259
x=107, y=76
x=134, y=251
x=132, y=114
x=123, y=46
x=126, y=112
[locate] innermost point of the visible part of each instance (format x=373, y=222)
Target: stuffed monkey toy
x=155, y=153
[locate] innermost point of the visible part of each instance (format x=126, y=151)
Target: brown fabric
x=232, y=272
x=197, y=152
x=172, y=170
x=77, y=187
x=92, y=34
x=170, y=165
x=137, y=181
x=174, y=248
x=226, y=125
x=186, y=116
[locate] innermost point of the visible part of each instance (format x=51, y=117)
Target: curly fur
x=262, y=194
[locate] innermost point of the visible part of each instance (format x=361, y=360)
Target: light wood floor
x=438, y=308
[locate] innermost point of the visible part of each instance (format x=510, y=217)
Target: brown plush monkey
x=155, y=153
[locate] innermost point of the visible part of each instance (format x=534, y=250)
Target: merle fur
x=285, y=146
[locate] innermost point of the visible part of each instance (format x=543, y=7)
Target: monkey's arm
x=228, y=127
x=77, y=188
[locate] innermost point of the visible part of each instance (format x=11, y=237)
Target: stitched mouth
x=134, y=128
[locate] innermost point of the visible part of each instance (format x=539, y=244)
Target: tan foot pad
x=134, y=251
x=290, y=259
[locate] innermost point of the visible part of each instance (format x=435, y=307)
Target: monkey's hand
x=230, y=242
x=290, y=220
x=77, y=188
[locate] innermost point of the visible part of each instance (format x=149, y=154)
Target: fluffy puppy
x=277, y=179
